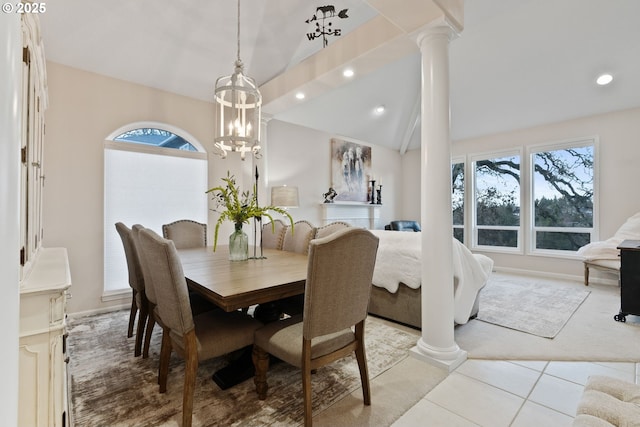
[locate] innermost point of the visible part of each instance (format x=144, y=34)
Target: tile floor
x=495, y=393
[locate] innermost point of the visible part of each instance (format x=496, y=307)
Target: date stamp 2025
x=20, y=7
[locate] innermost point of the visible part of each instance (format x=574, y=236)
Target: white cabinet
x=42, y=356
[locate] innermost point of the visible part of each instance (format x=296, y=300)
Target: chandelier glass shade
x=238, y=111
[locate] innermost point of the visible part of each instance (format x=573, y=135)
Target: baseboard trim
x=558, y=276
x=102, y=310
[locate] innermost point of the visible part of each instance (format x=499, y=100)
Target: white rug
x=591, y=334
x=529, y=306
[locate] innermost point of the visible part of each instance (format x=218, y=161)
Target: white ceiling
x=517, y=63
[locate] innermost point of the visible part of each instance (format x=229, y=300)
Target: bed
x=396, y=291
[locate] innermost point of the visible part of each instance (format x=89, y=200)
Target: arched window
x=153, y=174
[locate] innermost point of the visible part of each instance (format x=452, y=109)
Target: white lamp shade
x=284, y=196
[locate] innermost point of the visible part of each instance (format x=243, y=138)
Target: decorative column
x=437, y=345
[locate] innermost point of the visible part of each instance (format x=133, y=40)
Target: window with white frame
x=562, y=195
x=457, y=198
x=496, y=201
x=557, y=186
x=152, y=176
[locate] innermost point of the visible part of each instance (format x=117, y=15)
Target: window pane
x=155, y=137
x=504, y=238
x=457, y=193
x=563, y=187
x=561, y=241
x=497, y=191
x=458, y=233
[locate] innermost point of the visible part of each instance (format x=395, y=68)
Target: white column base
x=448, y=359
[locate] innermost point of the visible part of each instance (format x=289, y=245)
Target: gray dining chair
x=331, y=228
x=153, y=316
x=298, y=238
x=186, y=233
x=336, y=297
x=139, y=302
x=194, y=338
x=273, y=234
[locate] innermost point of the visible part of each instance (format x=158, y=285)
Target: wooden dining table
x=233, y=285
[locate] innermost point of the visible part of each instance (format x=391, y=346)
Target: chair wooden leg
x=190, y=372
x=165, y=354
x=586, y=275
x=261, y=365
x=151, y=321
x=142, y=321
x=132, y=314
x=306, y=382
x=362, y=364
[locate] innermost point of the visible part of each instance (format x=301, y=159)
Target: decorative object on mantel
x=238, y=103
x=350, y=170
x=329, y=195
x=239, y=208
x=323, y=30
x=372, y=192
x=379, y=191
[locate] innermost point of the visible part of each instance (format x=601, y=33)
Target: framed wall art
x=350, y=170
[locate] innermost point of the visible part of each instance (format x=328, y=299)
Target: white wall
x=10, y=141
x=619, y=197
x=302, y=156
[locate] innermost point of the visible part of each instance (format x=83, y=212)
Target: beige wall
x=86, y=107
x=619, y=197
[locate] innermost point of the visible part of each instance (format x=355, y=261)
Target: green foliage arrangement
x=240, y=207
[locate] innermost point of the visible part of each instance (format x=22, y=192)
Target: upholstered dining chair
x=153, y=316
x=331, y=228
x=186, y=233
x=298, y=238
x=273, y=234
x=336, y=298
x=139, y=302
x=194, y=338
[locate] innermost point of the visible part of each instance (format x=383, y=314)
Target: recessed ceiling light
x=604, y=79
x=348, y=72
x=379, y=109
x=300, y=95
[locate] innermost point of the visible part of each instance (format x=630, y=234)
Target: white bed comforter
x=399, y=260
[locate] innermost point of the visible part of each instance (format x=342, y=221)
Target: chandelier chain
x=238, y=60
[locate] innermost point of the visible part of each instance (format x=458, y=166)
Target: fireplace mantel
x=354, y=213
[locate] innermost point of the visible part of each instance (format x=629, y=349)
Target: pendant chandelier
x=238, y=104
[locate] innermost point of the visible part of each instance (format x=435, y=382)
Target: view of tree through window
x=497, y=201
x=563, y=198
x=156, y=137
x=457, y=200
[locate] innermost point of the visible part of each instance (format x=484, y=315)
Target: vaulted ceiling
x=517, y=63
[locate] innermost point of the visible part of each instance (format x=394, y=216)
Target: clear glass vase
x=238, y=244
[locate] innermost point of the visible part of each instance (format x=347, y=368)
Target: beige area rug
x=590, y=334
x=110, y=387
x=529, y=306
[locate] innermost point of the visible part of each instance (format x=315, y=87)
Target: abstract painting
x=350, y=170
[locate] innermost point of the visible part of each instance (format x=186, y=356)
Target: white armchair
x=604, y=255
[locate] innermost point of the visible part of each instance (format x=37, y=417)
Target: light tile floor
x=495, y=393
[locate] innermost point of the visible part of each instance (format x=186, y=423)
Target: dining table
x=234, y=285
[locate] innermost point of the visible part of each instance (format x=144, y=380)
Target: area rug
x=591, y=334
x=529, y=306
x=111, y=387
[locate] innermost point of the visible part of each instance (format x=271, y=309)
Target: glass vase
x=238, y=244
